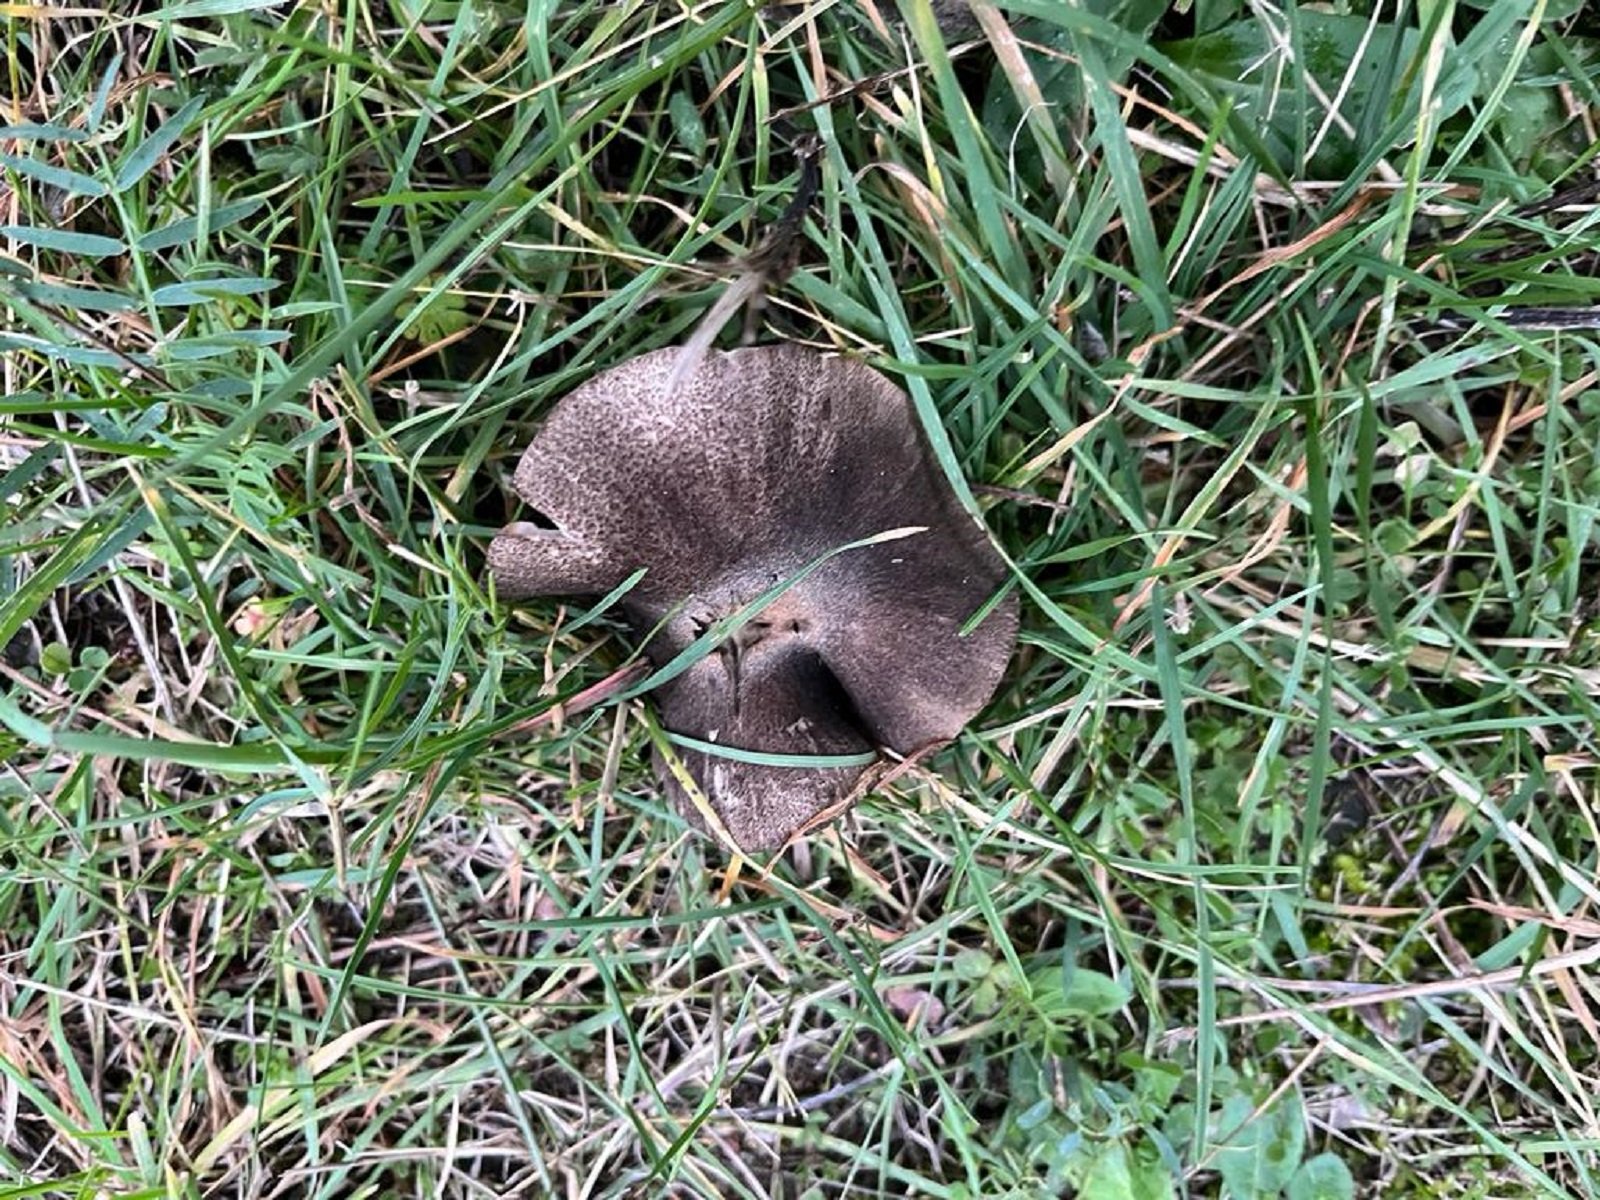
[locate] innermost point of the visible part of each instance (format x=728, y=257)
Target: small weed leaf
x=203, y=291
x=1324, y=1177
x=102, y=93
x=76, y=298
x=89, y=245
x=147, y=153
x=1334, y=50
x=434, y=318
x=686, y=123
x=56, y=659
x=1114, y=1172
x=1065, y=992
x=188, y=229
x=1108, y=1176
x=1259, y=1158
x=72, y=182
x=30, y=132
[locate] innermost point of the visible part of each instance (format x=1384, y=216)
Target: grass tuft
x=1264, y=338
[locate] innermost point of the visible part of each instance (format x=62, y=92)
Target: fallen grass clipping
x=1263, y=336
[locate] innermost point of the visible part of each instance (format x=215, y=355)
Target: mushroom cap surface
x=763, y=461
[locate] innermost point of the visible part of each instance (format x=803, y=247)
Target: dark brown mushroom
x=763, y=462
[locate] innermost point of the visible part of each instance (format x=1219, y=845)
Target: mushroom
x=757, y=472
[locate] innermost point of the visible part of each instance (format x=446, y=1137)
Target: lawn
x=1263, y=337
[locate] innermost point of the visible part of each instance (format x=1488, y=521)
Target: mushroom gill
x=764, y=462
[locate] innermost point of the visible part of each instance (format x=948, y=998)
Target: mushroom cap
x=763, y=461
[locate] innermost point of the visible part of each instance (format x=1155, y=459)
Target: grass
x=1271, y=869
